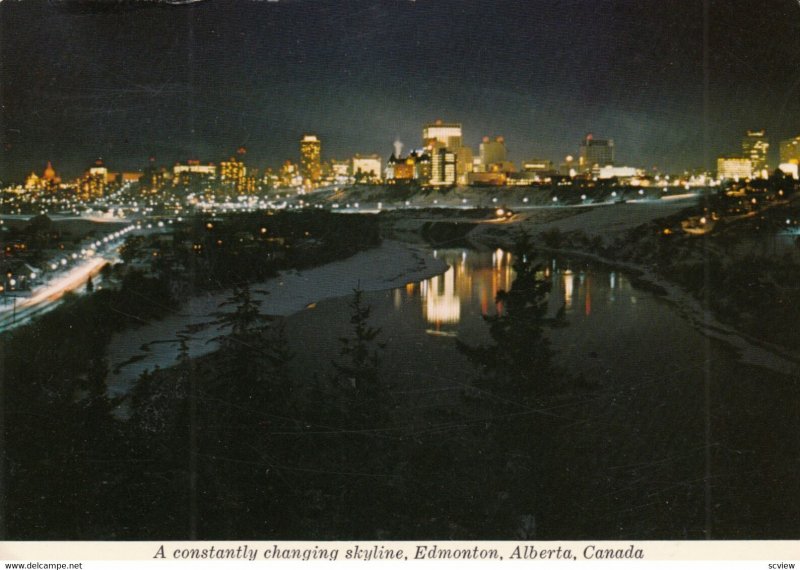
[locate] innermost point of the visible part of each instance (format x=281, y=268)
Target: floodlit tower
x=310, y=159
x=754, y=147
x=595, y=152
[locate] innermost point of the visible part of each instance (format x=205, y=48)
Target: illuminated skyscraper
x=790, y=151
x=443, y=167
x=94, y=181
x=492, y=152
x=595, y=152
x=754, y=147
x=311, y=159
x=233, y=172
x=448, y=134
x=99, y=169
x=464, y=163
x=444, y=143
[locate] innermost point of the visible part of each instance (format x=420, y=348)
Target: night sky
x=198, y=81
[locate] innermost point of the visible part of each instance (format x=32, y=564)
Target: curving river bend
x=677, y=431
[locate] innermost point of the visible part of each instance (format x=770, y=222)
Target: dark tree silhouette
x=517, y=368
x=357, y=371
x=518, y=382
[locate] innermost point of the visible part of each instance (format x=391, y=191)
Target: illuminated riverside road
x=18, y=310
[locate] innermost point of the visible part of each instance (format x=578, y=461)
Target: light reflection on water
x=643, y=434
x=420, y=321
x=474, y=279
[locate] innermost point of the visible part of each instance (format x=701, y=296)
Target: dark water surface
x=675, y=438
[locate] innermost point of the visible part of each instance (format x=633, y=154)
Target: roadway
x=17, y=310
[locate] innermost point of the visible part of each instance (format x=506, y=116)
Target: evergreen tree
x=188, y=377
x=516, y=368
x=519, y=382
x=242, y=347
x=244, y=323
x=357, y=371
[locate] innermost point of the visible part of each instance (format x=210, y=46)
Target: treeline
x=730, y=270
x=69, y=463
x=234, y=445
x=215, y=252
x=58, y=431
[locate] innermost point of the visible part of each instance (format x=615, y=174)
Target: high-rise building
x=99, y=169
x=93, y=183
x=152, y=179
x=233, y=173
x=290, y=175
x=443, y=167
x=311, y=159
x=448, y=134
x=464, y=163
x=790, y=151
x=492, y=152
x=754, y=147
x=734, y=167
x=595, y=153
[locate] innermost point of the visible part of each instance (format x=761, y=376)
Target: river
x=674, y=432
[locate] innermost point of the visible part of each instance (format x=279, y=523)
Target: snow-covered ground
x=610, y=221
x=605, y=220
x=393, y=264
x=749, y=350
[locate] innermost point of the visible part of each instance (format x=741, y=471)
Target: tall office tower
x=94, y=180
x=233, y=172
x=754, y=147
x=492, y=152
x=464, y=163
x=448, y=134
x=443, y=167
x=790, y=151
x=595, y=152
x=311, y=159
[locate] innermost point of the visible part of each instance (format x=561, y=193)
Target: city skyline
x=760, y=161
x=195, y=81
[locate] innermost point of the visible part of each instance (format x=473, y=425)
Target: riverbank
x=392, y=264
x=750, y=350
x=609, y=225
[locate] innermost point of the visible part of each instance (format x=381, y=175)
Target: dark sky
x=200, y=80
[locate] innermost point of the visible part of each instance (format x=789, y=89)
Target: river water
x=675, y=438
